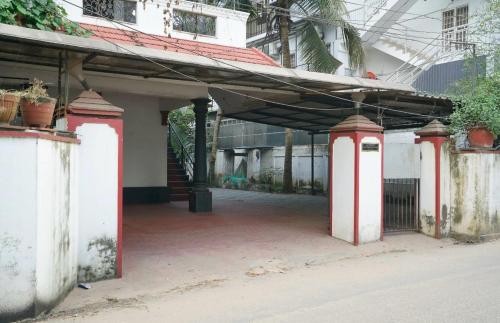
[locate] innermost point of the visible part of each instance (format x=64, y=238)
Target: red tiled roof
x=247, y=55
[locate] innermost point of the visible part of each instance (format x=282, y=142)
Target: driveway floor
x=266, y=255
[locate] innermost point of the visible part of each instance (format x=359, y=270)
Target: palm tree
x=314, y=51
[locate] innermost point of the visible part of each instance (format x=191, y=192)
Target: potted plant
x=477, y=112
x=9, y=102
x=37, y=108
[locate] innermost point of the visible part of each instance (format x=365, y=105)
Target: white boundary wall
x=343, y=189
x=38, y=224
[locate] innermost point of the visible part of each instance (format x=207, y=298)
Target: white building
x=178, y=19
x=402, y=39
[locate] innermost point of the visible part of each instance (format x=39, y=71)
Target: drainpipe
x=75, y=69
x=358, y=98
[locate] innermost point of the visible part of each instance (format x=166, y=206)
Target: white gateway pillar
x=356, y=180
x=434, y=179
x=100, y=128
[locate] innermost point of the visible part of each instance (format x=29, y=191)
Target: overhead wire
x=383, y=31
x=245, y=70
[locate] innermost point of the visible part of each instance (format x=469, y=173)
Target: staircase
x=179, y=166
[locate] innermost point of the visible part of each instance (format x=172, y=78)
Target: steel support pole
x=200, y=199
x=313, y=192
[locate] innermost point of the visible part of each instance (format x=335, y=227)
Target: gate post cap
x=91, y=103
x=433, y=129
x=357, y=123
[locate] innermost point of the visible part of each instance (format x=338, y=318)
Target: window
x=194, y=23
x=293, y=60
x=123, y=10
x=455, y=24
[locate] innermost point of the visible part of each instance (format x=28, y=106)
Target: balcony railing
x=256, y=26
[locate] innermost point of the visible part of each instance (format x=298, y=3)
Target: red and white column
x=434, y=179
x=356, y=180
x=99, y=126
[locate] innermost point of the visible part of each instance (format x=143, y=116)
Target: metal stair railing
x=408, y=70
x=181, y=149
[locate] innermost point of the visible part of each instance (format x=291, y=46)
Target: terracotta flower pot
x=9, y=103
x=38, y=114
x=480, y=137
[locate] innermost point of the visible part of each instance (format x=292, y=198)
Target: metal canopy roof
x=403, y=107
x=22, y=45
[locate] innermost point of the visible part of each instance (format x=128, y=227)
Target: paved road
x=455, y=283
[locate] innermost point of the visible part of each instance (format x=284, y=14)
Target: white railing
x=367, y=12
x=410, y=69
x=409, y=74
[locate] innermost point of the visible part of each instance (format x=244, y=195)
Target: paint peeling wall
x=38, y=225
x=445, y=186
x=98, y=209
x=475, y=195
x=427, y=195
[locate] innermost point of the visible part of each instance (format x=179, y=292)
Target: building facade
x=403, y=40
x=177, y=19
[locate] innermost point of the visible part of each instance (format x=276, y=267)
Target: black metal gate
x=401, y=204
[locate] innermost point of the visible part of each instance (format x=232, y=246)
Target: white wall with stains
x=98, y=207
x=475, y=195
x=427, y=196
x=38, y=224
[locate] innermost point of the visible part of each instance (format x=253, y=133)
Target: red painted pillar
x=432, y=173
x=356, y=180
x=99, y=126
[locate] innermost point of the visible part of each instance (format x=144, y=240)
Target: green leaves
x=314, y=51
x=331, y=11
x=38, y=14
x=478, y=106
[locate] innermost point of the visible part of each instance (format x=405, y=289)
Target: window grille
x=122, y=10
x=194, y=23
x=455, y=23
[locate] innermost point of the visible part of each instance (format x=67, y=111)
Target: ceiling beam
x=89, y=57
x=269, y=123
x=294, y=119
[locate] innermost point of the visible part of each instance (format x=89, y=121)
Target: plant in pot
x=37, y=108
x=9, y=102
x=477, y=112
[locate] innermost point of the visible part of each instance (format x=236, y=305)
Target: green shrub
x=38, y=14
x=479, y=106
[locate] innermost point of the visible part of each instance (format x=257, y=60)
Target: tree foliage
x=183, y=120
x=317, y=13
x=478, y=105
x=476, y=97
x=38, y=14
